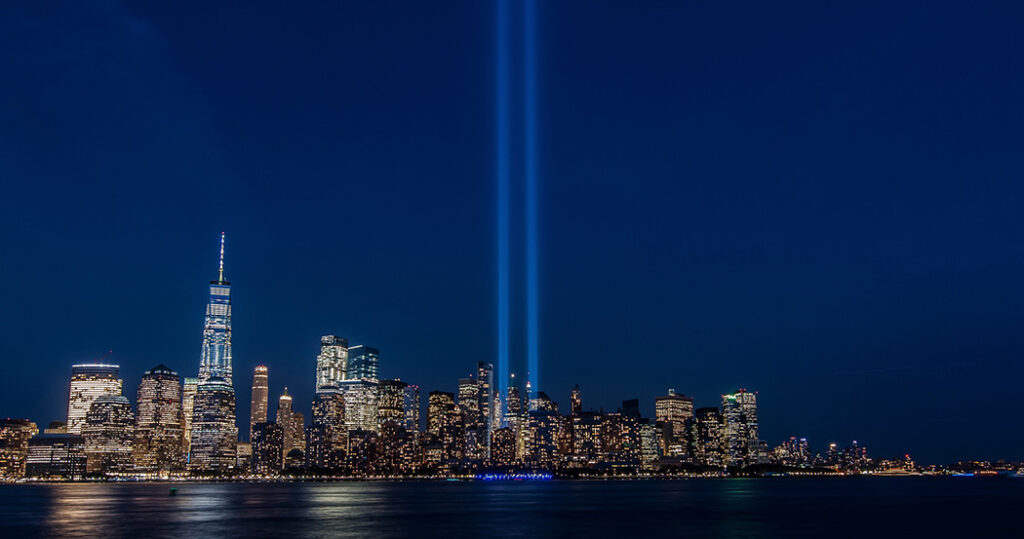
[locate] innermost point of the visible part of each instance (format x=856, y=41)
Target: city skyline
x=818, y=202
x=477, y=427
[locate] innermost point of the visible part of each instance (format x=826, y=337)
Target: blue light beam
x=501, y=138
x=530, y=171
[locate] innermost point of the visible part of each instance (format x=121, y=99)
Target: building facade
x=89, y=382
x=260, y=395
x=332, y=363
x=109, y=435
x=14, y=443
x=363, y=363
x=214, y=434
x=159, y=424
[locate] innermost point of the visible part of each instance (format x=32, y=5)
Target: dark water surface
x=791, y=507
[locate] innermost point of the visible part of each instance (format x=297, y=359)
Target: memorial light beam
x=530, y=173
x=501, y=138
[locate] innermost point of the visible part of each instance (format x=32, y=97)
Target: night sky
x=821, y=203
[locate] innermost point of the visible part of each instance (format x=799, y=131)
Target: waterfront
x=769, y=507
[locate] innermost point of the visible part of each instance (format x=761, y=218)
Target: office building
x=332, y=363
x=260, y=395
x=188, y=399
x=89, y=382
x=109, y=434
x=363, y=363
x=360, y=404
x=159, y=424
x=267, y=449
x=740, y=436
x=214, y=434
x=56, y=455
x=391, y=401
x=14, y=442
x=674, y=410
x=411, y=409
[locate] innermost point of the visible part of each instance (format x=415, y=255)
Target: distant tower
x=576, y=401
x=260, y=394
x=216, y=354
x=411, y=407
x=332, y=363
x=675, y=410
x=739, y=412
x=89, y=382
x=159, y=424
x=284, y=419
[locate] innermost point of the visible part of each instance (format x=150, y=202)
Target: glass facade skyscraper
x=363, y=363
x=214, y=435
x=216, y=355
x=332, y=363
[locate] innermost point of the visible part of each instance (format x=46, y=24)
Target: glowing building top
x=216, y=355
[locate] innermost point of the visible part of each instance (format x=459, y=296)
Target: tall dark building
x=159, y=425
x=708, y=443
x=327, y=435
x=267, y=449
x=576, y=401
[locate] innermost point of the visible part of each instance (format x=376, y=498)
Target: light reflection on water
x=720, y=508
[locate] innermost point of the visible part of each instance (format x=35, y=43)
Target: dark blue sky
x=819, y=202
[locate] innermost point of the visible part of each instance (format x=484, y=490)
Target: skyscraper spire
x=220, y=277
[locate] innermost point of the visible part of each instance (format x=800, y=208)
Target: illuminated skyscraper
x=14, y=439
x=740, y=441
x=159, y=424
x=332, y=363
x=391, y=401
x=474, y=421
x=675, y=410
x=267, y=449
x=707, y=437
x=411, y=409
x=440, y=405
x=327, y=435
x=292, y=422
x=56, y=455
x=576, y=401
x=363, y=363
x=360, y=404
x=108, y=433
x=188, y=399
x=260, y=393
x=490, y=412
x=89, y=382
x=216, y=354
x=214, y=433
